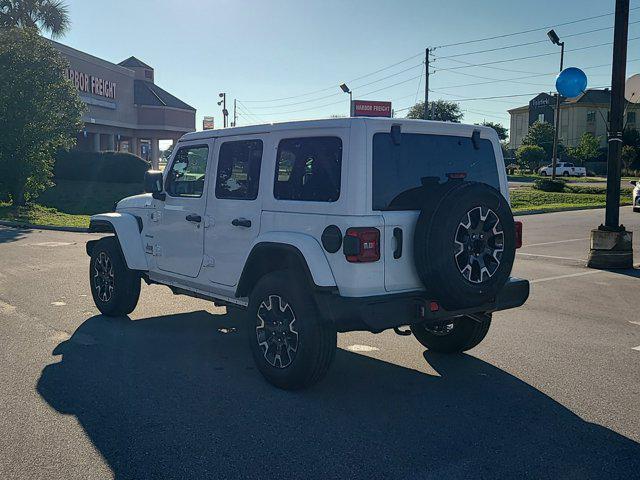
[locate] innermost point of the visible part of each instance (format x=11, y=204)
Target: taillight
x=362, y=244
x=518, y=234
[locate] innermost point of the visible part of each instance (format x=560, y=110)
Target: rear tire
x=114, y=287
x=457, y=335
x=291, y=344
x=543, y=173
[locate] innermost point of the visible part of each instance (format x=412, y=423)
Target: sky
x=284, y=60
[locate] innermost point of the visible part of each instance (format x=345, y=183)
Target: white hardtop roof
x=324, y=123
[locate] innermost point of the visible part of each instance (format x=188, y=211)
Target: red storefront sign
x=369, y=108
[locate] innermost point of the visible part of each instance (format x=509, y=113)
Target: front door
x=180, y=229
x=234, y=207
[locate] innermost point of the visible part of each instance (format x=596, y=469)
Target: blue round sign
x=571, y=82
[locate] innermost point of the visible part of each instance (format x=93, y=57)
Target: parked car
x=564, y=169
x=318, y=227
x=635, y=196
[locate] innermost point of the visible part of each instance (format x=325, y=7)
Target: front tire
x=291, y=344
x=115, y=288
x=453, y=335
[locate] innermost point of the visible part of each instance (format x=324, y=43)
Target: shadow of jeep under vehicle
x=178, y=397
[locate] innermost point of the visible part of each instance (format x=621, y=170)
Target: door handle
x=397, y=234
x=192, y=217
x=241, y=222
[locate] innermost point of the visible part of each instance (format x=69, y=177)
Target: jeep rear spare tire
x=464, y=245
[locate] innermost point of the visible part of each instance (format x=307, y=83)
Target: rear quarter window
x=399, y=169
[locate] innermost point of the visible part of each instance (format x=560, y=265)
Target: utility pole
x=611, y=244
x=554, y=157
x=426, y=115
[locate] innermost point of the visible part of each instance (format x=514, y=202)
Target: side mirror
x=633, y=182
x=153, y=183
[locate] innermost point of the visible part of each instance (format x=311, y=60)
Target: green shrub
x=594, y=189
x=549, y=185
x=111, y=167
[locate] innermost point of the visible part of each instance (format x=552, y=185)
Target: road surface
x=553, y=392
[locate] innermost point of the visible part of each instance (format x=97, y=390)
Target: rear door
x=233, y=213
x=398, y=171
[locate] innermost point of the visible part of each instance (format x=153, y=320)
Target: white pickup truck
x=564, y=169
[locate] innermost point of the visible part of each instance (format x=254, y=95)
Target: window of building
x=631, y=117
x=591, y=116
x=239, y=170
x=187, y=175
x=308, y=169
x=541, y=117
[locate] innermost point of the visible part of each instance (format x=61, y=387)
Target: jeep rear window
x=308, y=169
x=398, y=169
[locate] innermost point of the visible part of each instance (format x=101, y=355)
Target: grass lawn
x=529, y=199
x=70, y=203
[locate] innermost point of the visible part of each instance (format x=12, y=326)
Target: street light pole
x=611, y=244
x=554, y=157
x=345, y=89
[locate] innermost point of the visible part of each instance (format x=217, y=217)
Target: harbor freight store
x=126, y=110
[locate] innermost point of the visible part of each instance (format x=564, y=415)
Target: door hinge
x=157, y=251
x=208, y=261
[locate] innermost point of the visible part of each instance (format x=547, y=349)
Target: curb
x=567, y=209
x=6, y=223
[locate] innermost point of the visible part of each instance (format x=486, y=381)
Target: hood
x=143, y=200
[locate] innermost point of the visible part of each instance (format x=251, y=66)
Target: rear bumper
x=388, y=311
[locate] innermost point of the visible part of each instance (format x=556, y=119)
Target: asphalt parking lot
x=553, y=392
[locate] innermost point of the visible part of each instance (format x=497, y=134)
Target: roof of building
x=134, y=62
x=592, y=96
x=147, y=93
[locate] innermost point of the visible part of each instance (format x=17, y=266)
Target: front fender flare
x=127, y=230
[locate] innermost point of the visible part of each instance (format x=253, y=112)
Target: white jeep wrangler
x=318, y=227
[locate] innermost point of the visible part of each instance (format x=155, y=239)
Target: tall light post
x=554, y=159
x=225, y=112
x=345, y=89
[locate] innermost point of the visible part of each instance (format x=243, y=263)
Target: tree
x=498, y=127
x=541, y=134
x=441, y=110
x=42, y=15
x=530, y=157
x=629, y=156
x=587, y=150
x=40, y=112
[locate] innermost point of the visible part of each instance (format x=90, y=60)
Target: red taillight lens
x=362, y=245
x=518, y=234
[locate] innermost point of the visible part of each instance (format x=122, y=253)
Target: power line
x=529, y=43
x=470, y=65
x=522, y=32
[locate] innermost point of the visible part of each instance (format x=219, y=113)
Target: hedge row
x=112, y=167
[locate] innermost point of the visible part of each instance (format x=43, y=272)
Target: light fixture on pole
x=553, y=36
x=225, y=112
x=345, y=89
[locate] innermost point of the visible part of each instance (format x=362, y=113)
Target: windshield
x=400, y=169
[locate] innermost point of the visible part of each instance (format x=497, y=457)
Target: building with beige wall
x=126, y=110
x=588, y=113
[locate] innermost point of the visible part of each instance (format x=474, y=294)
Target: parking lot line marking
x=636, y=348
x=550, y=256
x=570, y=275
x=635, y=323
x=553, y=243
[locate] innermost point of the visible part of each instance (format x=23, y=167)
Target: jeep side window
x=239, y=169
x=308, y=169
x=186, y=177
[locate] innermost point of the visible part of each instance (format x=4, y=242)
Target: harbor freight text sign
x=369, y=108
x=207, y=123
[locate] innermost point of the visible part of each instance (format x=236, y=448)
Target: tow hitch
x=402, y=333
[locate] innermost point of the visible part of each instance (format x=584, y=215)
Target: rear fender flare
x=306, y=251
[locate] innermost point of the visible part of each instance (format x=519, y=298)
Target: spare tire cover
x=464, y=244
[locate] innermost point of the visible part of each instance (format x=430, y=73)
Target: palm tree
x=43, y=15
